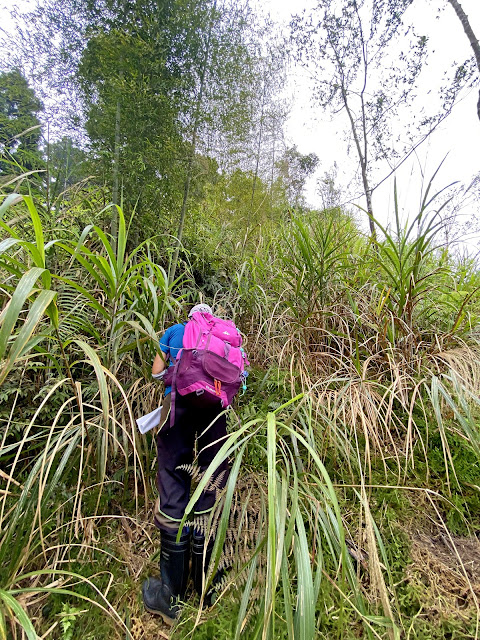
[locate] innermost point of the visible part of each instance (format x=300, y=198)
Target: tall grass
x=90, y=430
x=367, y=329
x=297, y=539
x=353, y=367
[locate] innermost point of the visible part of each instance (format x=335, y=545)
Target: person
x=175, y=449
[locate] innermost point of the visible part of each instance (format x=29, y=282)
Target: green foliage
x=332, y=427
x=462, y=508
x=69, y=618
x=153, y=83
x=232, y=216
x=19, y=125
x=412, y=277
x=294, y=169
x=314, y=260
x=125, y=81
x=66, y=166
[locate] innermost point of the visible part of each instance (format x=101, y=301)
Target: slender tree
x=228, y=84
x=474, y=42
x=294, y=169
x=268, y=115
x=132, y=122
x=345, y=46
x=193, y=143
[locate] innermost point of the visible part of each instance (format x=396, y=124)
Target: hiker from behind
x=200, y=384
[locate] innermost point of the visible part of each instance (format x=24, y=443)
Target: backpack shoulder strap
x=173, y=395
x=173, y=392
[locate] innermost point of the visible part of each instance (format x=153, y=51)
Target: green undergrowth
x=404, y=509
x=354, y=451
x=334, y=620
x=117, y=563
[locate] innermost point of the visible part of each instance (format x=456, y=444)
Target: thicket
x=352, y=508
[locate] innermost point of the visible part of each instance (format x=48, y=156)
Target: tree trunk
x=371, y=224
x=272, y=173
x=47, y=175
x=259, y=148
x=475, y=44
x=115, y=189
x=196, y=124
x=362, y=155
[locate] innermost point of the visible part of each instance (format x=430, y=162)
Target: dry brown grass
x=446, y=569
x=464, y=362
x=361, y=382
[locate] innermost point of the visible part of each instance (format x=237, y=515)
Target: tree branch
x=475, y=44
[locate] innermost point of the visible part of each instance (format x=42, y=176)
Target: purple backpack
x=210, y=367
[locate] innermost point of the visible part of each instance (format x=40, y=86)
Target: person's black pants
x=175, y=447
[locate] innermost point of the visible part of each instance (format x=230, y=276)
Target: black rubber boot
x=199, y=567
x=160, y=595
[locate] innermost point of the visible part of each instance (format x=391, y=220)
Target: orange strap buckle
x=218, y=387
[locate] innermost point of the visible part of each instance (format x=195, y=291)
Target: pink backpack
x=211, y=365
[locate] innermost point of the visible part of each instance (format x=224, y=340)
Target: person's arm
x=161, y=359
x=159, y=364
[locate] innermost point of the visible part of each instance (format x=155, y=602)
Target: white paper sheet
x=149, y=421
